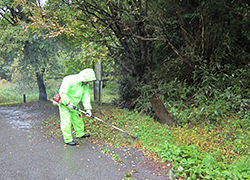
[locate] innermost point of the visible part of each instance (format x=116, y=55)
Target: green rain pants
x=68, y=117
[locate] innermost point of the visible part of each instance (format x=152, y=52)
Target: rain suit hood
x=73, y=91
x=86, y=75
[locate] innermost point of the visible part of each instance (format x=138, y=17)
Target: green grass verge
x=193, y=153
x=11, y=93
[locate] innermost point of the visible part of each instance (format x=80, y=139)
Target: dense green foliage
x=209, y=103
x=24, y=53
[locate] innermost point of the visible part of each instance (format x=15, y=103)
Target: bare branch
x=148, y=39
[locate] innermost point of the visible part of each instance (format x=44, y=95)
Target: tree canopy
x=24, y=51
x=155, y=41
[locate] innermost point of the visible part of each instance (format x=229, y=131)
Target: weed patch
x=197, y=152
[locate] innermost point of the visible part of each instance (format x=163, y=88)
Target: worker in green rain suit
x=75, y=88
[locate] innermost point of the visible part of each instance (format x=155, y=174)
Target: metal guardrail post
x=98, y=83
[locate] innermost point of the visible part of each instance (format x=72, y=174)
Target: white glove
x=88, y=113
x=71, y=106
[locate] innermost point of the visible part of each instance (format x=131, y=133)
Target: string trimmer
x=98, y=119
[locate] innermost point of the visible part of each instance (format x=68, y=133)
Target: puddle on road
x=21, y=125
x=16, y=119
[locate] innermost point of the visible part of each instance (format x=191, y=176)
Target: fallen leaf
x=135, y=170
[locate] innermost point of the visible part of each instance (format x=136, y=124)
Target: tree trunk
x=160, y=110
x=41, y=86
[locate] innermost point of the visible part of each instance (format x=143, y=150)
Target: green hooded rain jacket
x=73, y=91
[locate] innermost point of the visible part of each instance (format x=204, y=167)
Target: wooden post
x=24, y=98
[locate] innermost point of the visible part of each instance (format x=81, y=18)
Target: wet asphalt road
x=26, y=154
